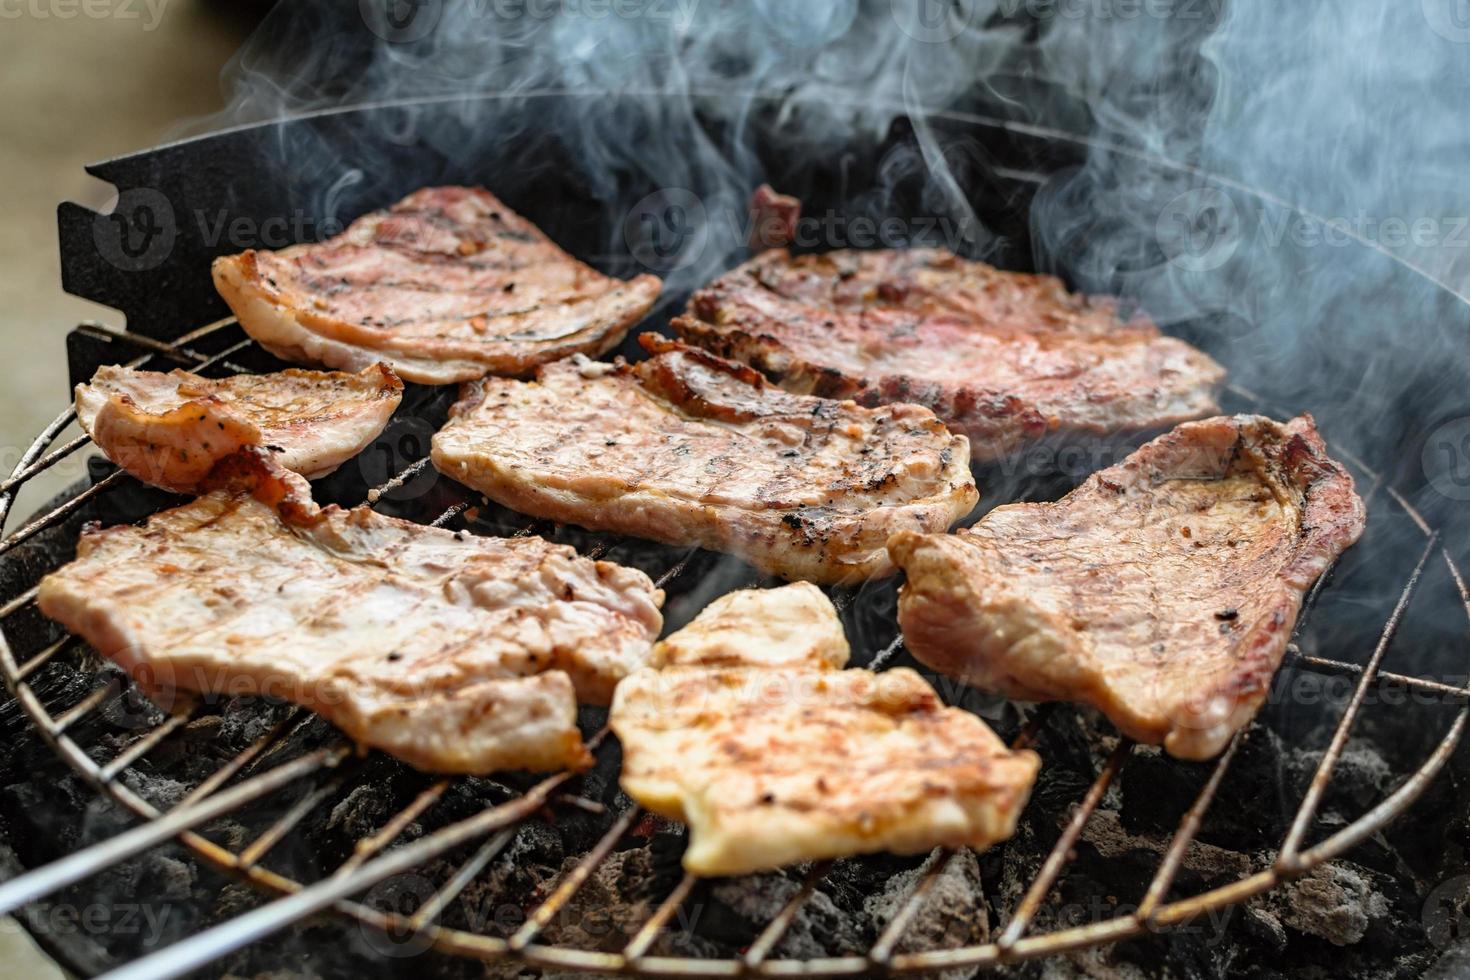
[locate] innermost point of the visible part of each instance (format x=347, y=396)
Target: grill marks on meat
x=453, y=652
x=689, y=449
x=772, y=754
x=1162, y=591
x=1002, y=357
x=790, y=627
x=447, y=285
x=170, y=429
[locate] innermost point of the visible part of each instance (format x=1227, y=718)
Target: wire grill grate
x=245, y=778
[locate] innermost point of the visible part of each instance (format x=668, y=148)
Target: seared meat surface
x=785, y=757
x=790, y=627
x=453, y=652
x=447, y=285
x=170, y=429
x=1162, y=591
x=690, y=449
x=1002, y=357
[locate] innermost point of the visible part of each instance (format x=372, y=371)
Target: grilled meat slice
x=453, y=652
x=690, y=449
x=1002, y=357
x=795, y=624
x=1162, y=591
x=784, y=759
x=447, y=285
x=170, y=429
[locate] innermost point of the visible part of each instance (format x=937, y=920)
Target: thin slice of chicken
x=776, y=756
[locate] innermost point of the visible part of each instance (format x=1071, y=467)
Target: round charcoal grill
x=287, y=776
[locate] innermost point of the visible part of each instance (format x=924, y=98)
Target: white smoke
x=1267, y=178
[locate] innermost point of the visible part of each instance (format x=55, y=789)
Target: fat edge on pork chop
x=447, y=285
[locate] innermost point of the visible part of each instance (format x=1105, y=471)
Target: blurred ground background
x=78, y=89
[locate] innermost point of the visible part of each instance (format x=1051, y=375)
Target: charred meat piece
x=170, y=429
x=690, y=449
x=447, y=285
x=453, y=652
x=1162, y=591
x=1002, y=357
x=785, y=758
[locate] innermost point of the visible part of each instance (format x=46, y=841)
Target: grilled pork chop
x=447, y=285
x=784, y=757
x=690, y=449
x=999, y=356
x=1162, y=590
x=453, y=652
x=170, y=429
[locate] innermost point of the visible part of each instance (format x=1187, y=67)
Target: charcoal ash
x=953, y=913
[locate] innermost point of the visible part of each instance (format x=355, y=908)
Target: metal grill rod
x=1052, y=867
x=572, y=882
x=436, y=903
x=1158, y=888
x=756, y=955
x=18, y=603
x=277, y=831
x=203, y=948
x=1288, y=857
x=84, y=863
x=60, y=513
x=882, y=951
x=651, y=929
